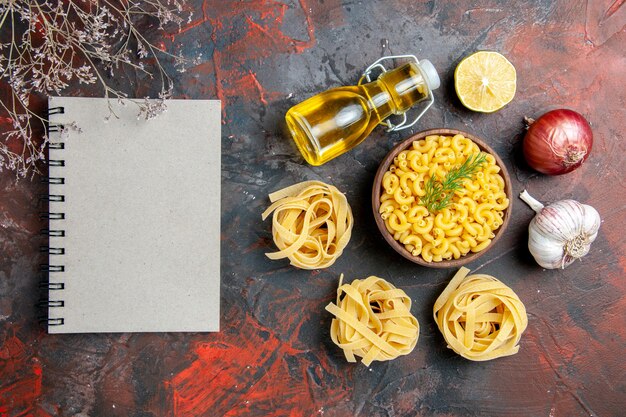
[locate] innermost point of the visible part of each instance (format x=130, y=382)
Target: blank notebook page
x=141, y=218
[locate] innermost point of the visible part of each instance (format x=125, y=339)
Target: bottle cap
x=432, y=78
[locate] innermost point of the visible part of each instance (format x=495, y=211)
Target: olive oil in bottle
x=335, y=121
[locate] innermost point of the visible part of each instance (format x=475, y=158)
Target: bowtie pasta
x=467, y=224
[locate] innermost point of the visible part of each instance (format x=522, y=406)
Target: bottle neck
x=396, y=91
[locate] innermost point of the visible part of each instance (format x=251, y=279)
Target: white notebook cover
x=142, y=218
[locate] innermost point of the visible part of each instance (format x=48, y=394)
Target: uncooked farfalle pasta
x=480, y=317
x=311, y=225
x=373, y=320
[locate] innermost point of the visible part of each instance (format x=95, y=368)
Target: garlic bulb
x=561, y=232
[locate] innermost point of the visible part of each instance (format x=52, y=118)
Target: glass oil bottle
x=335, y=121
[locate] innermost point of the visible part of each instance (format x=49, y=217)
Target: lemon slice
x=485, y=81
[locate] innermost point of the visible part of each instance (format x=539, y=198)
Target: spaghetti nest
x=311, y=225
x=480, y=317
x=373, y=320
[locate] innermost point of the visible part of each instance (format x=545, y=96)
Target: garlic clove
x=591, y=222
x=546, y=252
x=561, y=220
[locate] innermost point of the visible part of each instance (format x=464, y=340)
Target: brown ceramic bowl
x=377, y=191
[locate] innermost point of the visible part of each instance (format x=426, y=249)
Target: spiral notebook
x=134, y=217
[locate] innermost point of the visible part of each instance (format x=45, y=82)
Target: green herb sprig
x=439, y=193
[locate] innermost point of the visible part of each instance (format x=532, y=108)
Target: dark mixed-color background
x=273, y=355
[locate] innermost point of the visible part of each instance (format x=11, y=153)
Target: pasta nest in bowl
x=442, y=198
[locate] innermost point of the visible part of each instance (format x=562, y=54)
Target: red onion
x=558, y=142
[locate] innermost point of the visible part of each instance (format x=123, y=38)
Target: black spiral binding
x=56, y=110
x=49, y=269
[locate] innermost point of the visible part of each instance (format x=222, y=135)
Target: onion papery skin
x=558, y=142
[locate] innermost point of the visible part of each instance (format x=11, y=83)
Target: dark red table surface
x=273, y=355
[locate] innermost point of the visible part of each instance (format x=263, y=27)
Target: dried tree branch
x=46, y=46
